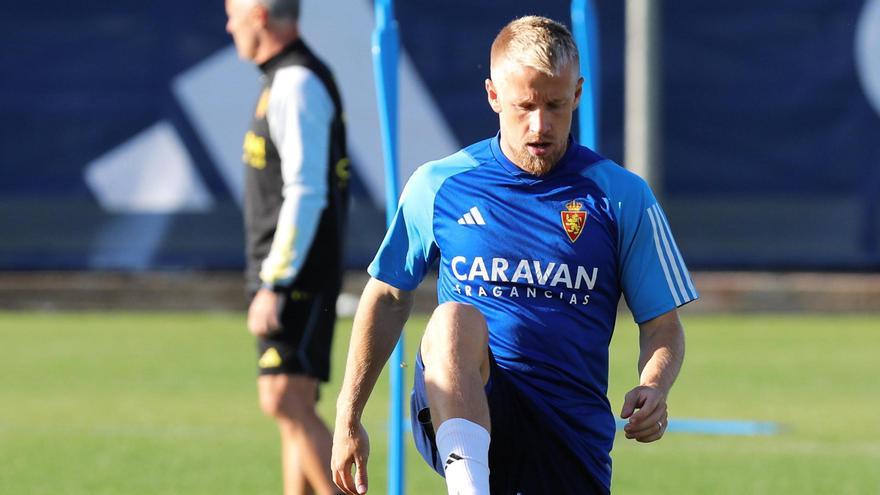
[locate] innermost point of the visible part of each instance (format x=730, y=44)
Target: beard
x=538, y=165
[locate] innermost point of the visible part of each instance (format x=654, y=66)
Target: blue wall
x=771, y=146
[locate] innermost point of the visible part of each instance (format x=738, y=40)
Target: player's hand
x=262, y=318
x=645, y=407
x=351, y=448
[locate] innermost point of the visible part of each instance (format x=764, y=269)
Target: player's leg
x=294, y=478
x=292, y=363
x=305, y=439
x=455, y=353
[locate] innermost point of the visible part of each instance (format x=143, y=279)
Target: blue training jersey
x=545, y=260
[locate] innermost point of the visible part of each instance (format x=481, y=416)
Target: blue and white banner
x=121, y=125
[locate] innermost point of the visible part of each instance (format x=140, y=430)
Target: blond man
x=536, y=239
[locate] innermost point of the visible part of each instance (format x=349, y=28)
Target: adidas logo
x=452, y=458
x=472, y=217
x=270, y=359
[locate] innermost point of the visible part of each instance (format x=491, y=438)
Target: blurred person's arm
x=300, y=114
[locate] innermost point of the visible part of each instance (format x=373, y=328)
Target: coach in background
x=295, y=204
x=512, y=373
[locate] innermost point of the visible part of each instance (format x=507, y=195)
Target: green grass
x=166, y=403
x=815, y=375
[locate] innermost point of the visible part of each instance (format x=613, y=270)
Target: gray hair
x=537, y=42
x=282, y=10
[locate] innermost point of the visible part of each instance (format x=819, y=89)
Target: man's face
x=242, y=24
x=534, y=111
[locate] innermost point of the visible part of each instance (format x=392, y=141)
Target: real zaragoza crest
x=573, y=219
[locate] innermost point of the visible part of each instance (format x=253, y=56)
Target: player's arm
x=655, y=281
x=378, y=322
x=661, y=345
x=299, y=117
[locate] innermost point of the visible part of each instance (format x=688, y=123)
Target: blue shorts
x=525, y=457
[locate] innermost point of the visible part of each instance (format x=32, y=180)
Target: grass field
x=165, y=403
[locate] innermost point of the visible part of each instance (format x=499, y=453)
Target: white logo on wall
x=218, y=95
x=868, y=51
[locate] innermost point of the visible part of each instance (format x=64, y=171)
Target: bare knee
x=287, y=397
x=271, y=403
x=456, y=334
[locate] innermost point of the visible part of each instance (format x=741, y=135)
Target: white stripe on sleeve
x=669, y=256
x=662, y=256
x=684, y=270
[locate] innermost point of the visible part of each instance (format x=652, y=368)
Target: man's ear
x=492, y=96
x=259, y=15
x=578, y=92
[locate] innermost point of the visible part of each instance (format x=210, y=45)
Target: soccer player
x=536, y=239
x=295, y=202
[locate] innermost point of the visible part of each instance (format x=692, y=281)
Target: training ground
x=105, y=389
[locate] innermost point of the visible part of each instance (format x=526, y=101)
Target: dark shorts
x=302, y=346
x=525, y=457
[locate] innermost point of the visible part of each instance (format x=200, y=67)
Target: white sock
x=464, y=448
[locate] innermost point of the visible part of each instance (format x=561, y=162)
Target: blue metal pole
x=585, y=29
x=386, y=42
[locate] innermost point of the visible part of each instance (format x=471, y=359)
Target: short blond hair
x=537, y=42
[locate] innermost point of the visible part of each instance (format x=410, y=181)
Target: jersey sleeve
x=300, y=114
x=409, y=248
x=654, y=277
